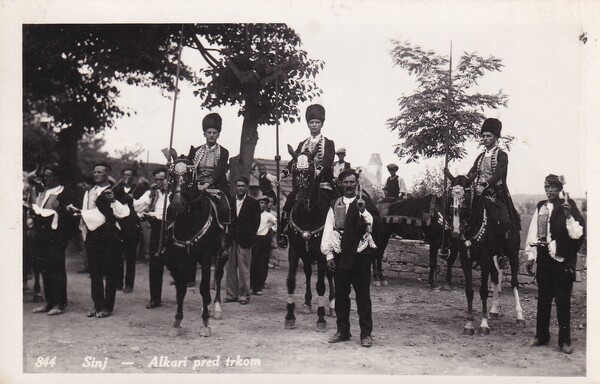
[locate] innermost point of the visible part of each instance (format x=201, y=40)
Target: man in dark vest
x=266, y=182
x=347, y=244
x=555, y=235
x=53, y=225
x=394, y=185
x=341, y=164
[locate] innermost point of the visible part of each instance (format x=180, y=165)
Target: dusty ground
x=416, y=332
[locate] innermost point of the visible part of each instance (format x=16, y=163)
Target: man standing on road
x=261, y=251
x=394, y=185
x=151, y=204
x=102, y=240
x=246, y=214
x=555, y=235
x=52, y=226
x=347, y=244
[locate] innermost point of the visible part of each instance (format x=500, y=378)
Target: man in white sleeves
x=555, y=235
x=99, y=214
x=347, y=245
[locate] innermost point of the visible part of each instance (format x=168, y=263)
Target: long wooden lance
x=444, y=251
x=277, y=157
x=169, y=157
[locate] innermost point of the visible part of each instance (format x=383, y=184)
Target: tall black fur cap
x=212, y=120
x=315, y=111
x=492, y=125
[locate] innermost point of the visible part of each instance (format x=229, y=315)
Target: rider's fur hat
x=315, y=111
x=493, y=126
x=212, y=120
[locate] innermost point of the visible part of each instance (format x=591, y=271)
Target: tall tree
x=259, y=67
x=71, y=72
x=439, y=107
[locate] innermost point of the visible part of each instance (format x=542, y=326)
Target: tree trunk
x=241, y=164
x=68, y=139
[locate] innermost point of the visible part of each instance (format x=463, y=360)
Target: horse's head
x=303, y=176
x=460, y=198
x=183, y=176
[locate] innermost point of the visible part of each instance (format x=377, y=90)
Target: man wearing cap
x=488, y=175
x=555, y=235
x=394, y=185
x=323, y=161
x=211, y=161
x=266, y=182
x=347, y=244
x=261, y=251
x=341, y=164
x=52, y=224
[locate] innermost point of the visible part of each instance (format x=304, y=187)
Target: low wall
x=409, y=259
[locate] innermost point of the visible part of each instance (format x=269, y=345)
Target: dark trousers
x=358, y=277
x=554, y=282
x=104, y=249
x=51, y=260
x=260, y=262
x=156, y=264
x=131, y=240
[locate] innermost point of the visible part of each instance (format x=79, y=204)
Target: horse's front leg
x=433, y=250
x=205, y=263
x=496, y=275
x=449, y=263
x=321, y=268
x=181, y=289
x=467, y=266
x=484, y=328
x=307, y=266
x=514, y=282
x=290, y=318
x=219, y=272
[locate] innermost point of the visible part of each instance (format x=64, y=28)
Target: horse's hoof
x=384, y=282
x=447, y=287
x=205, y=331
x=468, y=331
x=484, y=331
x=435, y=289
x=322, y=327
x=290, y=324
x=218, y=315
x=377, y=283
x=306, y=309
x=174, y=332
x=521, y=322
x=494, y=315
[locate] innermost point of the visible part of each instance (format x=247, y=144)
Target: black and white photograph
x=319, y=190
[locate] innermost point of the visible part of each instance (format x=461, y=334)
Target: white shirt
x=238, y=204
x=267, y=221
x=142, y=204
x=91, y=217
x=574, y=229
x=332, y=239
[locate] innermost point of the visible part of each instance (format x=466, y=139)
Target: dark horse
x=414, y=218
x=194, y=233
x=305, y=229
x=491, y=249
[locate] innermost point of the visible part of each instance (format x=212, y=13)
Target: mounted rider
x=323, y=161
x=488, y=177
x=210, y=160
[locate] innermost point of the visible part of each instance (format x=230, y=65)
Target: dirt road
x=416, y=332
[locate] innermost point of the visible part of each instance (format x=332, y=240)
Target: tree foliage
x=71, y=73
x=440, y=106
x=430, y=181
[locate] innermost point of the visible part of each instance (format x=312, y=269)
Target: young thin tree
x=439, y=107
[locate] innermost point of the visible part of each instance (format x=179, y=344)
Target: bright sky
x=544, y=76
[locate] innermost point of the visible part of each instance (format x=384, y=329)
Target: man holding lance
x=347, y=244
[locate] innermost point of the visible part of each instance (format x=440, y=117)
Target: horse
x=413, y=218
x=491, y=249
x=419, y=218
x=195, y=233
x=305, y=228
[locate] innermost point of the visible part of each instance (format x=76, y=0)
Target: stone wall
x=409, y=259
